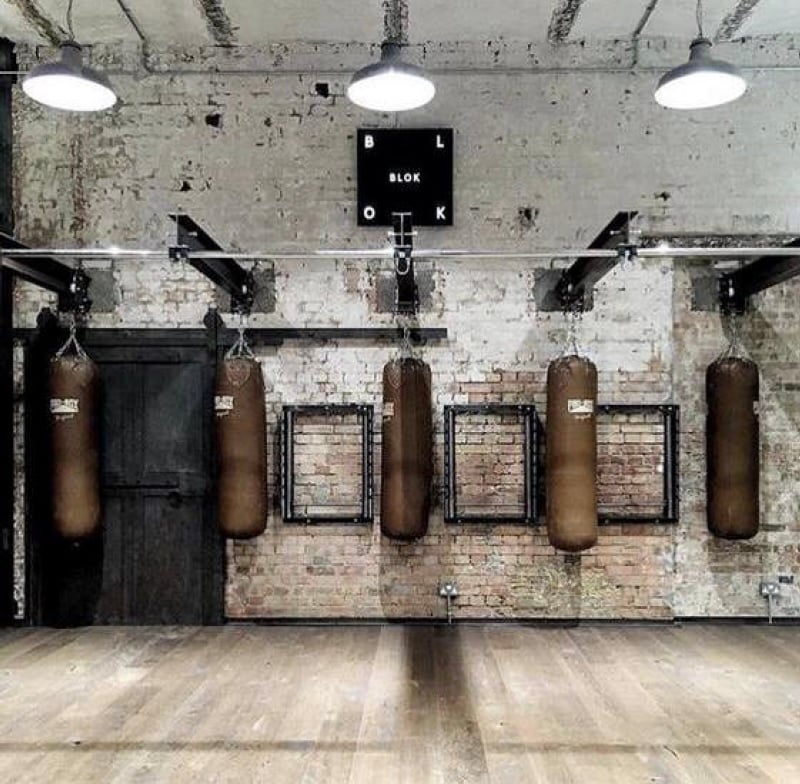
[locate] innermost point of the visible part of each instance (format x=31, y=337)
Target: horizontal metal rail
x=422, y=253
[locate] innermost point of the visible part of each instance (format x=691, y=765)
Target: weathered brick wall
x=715, y=577
x=489, y=451
x=630, y=464
x=539, y=163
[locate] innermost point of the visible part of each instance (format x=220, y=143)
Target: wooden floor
x=401, y=704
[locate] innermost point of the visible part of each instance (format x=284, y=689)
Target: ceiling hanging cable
x=391, y=84
x=702, y=82
x=67, y=83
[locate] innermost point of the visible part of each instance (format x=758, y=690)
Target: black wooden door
x=160, y=560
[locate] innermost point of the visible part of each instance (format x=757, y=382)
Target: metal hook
x=399, y=269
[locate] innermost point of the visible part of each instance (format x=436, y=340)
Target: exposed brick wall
x=490, y=464
x=630, y=464
x=278, y=172
x=715, y=577
x=327, y=464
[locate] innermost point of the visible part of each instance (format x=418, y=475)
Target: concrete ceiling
x=230, y=22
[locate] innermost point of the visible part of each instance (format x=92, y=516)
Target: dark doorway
x=160, y=557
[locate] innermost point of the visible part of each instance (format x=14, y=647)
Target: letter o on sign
x=369, y=213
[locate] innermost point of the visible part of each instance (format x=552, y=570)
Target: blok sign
x=405, y=170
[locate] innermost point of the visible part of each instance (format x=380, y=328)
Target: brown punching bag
x=241, y=447
x=732, y=448
x=74, y=383
x=572, y=453
x=407, y=465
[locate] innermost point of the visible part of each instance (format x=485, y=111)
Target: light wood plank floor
x=507, y=704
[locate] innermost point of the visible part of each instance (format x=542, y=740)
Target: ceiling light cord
x=395, y=22
x=70, y=28
x=699, y=17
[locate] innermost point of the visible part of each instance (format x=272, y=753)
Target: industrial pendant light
x=703, y=81
x=67, y=83
x=391, y=85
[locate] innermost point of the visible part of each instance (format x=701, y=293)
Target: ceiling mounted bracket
x=78, y=300
x=732, y=302
x=406, y=291
x=627, y=252
x=737, y=287
x=242, y=303
x=224, y=272
x=573, y=287
x=178, y=252
x=40, y=270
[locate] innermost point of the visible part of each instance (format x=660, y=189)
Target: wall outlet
x=769, y=588
x=448, y=588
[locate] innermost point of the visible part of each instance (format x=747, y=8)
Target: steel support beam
x=41, y=270
x=227, y=274
x=735, y=288
x=579, y=279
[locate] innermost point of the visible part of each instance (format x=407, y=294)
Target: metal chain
x=406, y=348
x=699, y=17
x=734, y=347
x=573, y=315
x=72, y=341
x=241, y=348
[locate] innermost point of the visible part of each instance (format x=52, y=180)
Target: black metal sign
x=407, y=170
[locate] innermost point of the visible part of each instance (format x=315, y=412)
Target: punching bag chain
x=241, y=348
x=734, y=348
x=79, y=308
x=573, y=315
x=405, y=343
x=72, y=341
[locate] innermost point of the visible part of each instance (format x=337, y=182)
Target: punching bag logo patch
x=388, y=409
x=223, y=404
x=64, y=407
x=581, y=407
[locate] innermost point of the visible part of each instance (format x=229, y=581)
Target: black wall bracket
x=78, y=300
x=402, y=234
x=574, y=286
x=736, y=288
x=225, y=273
x=41, y=270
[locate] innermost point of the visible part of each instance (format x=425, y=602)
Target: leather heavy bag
x=74, y=383
x=732, y=481
x=241, y=448
x=572, y=453
x=407, y=464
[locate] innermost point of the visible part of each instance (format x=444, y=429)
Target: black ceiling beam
x=579, y=279
x=737, y=287
x=41, y=270
x=227, y=274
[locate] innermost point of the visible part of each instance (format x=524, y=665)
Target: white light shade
x=702, y=82
x=68, y=84
x=390, y=85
